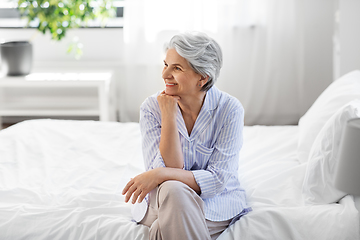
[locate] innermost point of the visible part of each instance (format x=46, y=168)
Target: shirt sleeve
x=150, y=128
x=223, y=162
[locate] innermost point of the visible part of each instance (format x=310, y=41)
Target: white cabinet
x=56, y=94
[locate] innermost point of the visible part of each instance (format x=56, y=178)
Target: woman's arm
x=170, y=147
x=143, y=183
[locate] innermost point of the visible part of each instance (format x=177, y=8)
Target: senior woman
x=191, y=137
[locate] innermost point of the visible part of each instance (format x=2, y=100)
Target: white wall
x=348, y=36
x=317, y=26
x=104, y=44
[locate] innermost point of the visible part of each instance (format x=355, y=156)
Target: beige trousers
x=177, y=212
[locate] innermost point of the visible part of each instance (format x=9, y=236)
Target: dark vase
x=16, y=58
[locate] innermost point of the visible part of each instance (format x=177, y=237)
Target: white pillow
x=318, y=186
x=336, y=95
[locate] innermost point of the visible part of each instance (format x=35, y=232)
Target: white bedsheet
x=273, y=177
x=63, y=180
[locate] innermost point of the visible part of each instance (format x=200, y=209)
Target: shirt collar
x=211, y=99
x=210, y=103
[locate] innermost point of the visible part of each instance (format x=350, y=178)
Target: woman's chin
x=169, y=92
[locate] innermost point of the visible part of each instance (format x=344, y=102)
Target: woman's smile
x=171, y=84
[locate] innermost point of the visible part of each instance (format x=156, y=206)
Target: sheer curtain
x=260, y=42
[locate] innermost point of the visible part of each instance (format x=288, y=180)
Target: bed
x=62, y=179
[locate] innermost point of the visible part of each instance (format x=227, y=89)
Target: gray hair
x=202, y=52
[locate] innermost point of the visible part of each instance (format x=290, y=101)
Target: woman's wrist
x=168, y=118
x=160, y=174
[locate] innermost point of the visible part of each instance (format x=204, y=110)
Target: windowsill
x=106, y=27
x=14, y=23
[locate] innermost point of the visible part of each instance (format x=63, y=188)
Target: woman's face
x=180, y=79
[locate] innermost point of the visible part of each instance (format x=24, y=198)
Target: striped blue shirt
x=211, y=151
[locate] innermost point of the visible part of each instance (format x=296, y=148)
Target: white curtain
x=261, y=44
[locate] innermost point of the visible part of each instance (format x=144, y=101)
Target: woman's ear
x=203, y=81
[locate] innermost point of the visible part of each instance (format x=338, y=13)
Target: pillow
x=318, y=186
x=336, y=95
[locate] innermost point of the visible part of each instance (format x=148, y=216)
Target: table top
x=57, y=78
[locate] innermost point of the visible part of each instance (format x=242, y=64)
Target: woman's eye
x=177, y=68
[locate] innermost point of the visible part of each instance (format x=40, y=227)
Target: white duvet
x=63, y=180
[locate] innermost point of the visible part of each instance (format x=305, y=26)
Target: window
x=10, y=17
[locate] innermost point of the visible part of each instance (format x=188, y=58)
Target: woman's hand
x=141, y=185
x=168, y=104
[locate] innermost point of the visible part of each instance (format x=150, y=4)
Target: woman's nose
x=166, y=74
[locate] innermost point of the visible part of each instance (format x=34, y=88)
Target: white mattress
x=63, y=180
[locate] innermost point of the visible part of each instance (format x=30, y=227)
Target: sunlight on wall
x=162, y=15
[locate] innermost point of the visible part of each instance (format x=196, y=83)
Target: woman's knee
x=174, y=191
x=173, y=187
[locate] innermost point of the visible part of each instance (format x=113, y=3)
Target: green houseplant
x=57, y=16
